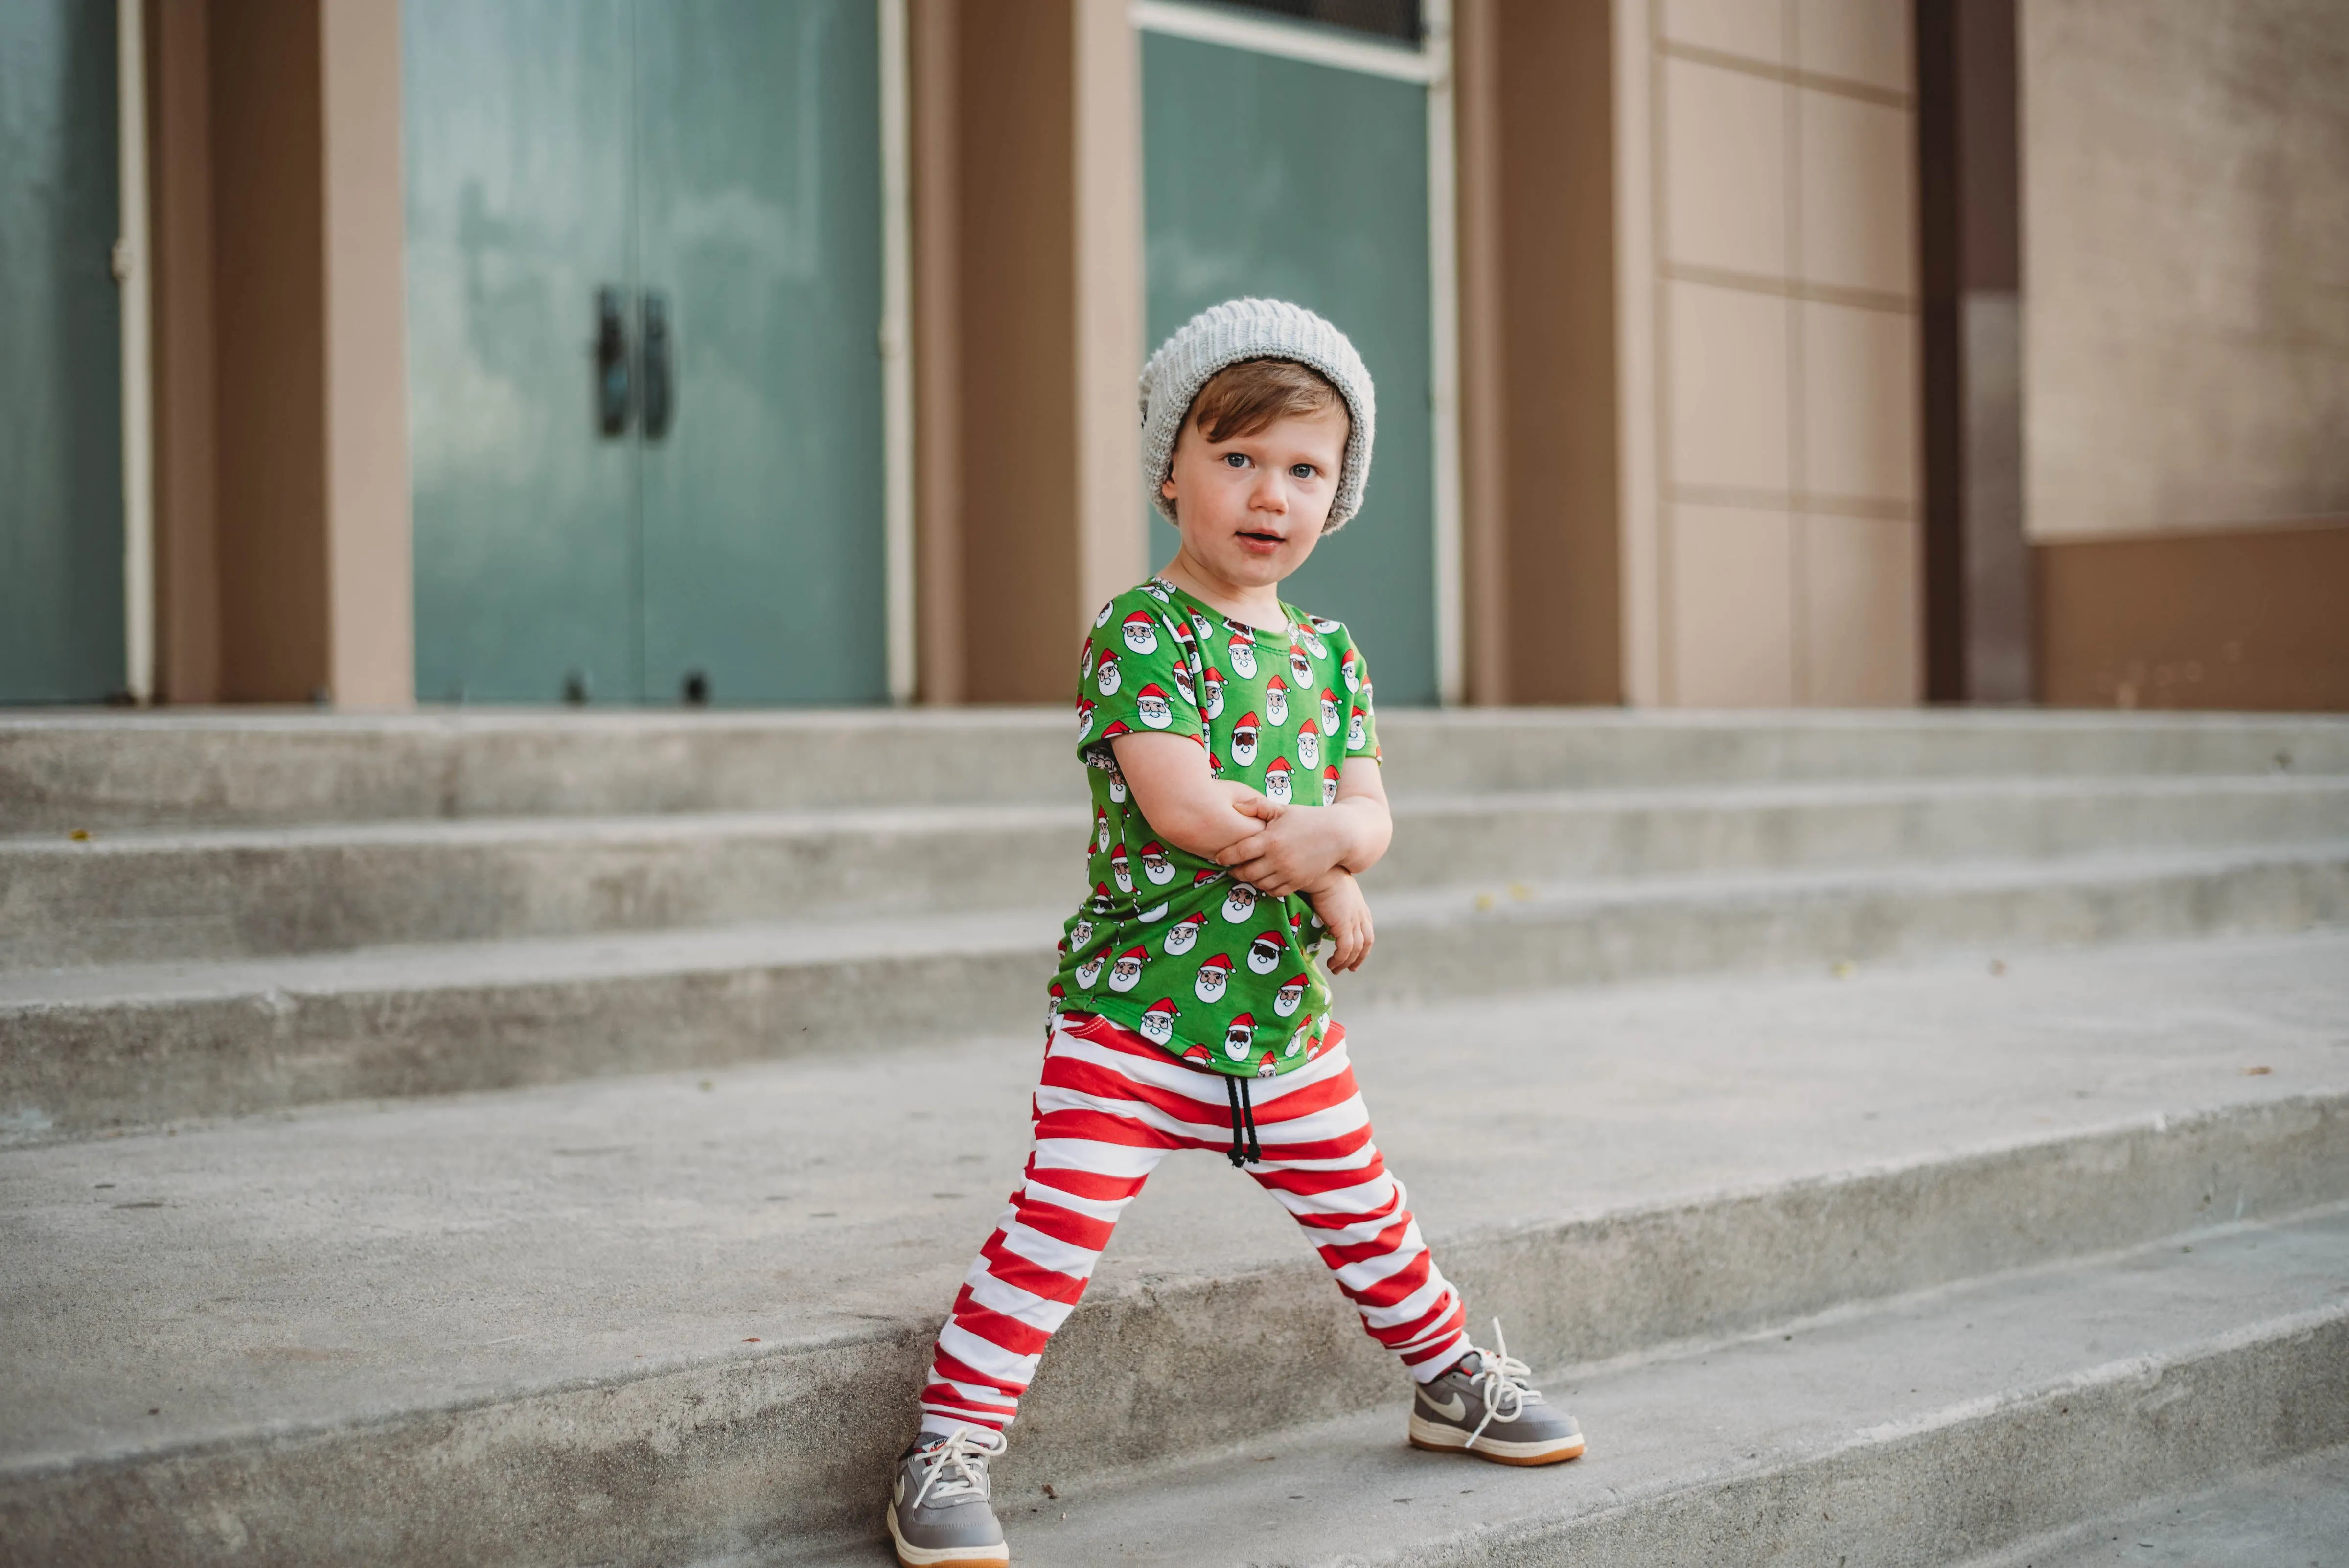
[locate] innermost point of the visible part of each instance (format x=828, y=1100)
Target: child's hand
x=1339, y=900
x=1289, y=854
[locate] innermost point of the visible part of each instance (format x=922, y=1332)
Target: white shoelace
x=965, y=1444
x=1500, y=1381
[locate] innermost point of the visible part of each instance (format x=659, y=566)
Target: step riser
x=1505, y=841
x=63, y=903
x=1978, y=1483
x=761, y=1453
x=138, y=905
x=1526, y=947
x=72, y=1070
x=60, y=774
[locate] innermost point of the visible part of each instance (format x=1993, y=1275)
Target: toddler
x=1235, y=794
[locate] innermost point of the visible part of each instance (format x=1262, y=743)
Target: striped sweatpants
x=1109, y=1107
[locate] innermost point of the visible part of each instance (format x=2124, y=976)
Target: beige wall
x=2185, y=264
x=1772, y=497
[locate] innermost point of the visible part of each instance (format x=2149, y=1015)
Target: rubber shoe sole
x=1429, y=1434
x=946, y=1556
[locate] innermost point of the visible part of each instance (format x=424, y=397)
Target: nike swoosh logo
x=1456, y=1410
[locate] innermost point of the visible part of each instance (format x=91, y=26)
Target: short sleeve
x=1361, y=721
x=1136, y=674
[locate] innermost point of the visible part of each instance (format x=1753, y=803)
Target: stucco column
x=1108, y=303
x=370, y=618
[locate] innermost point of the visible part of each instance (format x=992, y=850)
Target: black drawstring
x=1245, y=1147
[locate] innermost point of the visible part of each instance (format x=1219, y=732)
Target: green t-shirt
x=1169, y=944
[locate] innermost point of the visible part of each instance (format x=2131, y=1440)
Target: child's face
x=1250, y=509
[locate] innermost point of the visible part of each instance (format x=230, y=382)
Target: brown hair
x=1244, y=398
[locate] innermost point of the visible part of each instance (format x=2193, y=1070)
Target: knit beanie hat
x=1238, y=329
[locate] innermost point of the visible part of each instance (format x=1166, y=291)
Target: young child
x=1235, y=794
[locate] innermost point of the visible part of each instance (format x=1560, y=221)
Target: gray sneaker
x=939, y=1516
x=1485, y=1406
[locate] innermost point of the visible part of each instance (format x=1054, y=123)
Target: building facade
x=1729, y=352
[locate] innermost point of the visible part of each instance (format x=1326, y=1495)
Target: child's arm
x=1184, y=804
x=1338, y=899
x=1291, y=854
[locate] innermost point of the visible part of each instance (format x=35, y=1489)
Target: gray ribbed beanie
x=1241, y=329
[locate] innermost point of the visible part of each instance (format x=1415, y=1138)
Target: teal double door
x=1309, y=181
x=644, y=300
x=61, y=511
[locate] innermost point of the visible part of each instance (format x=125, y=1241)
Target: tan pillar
x=1109, y=305
x=281, y=389
x=1028, y=321
x=370, y=616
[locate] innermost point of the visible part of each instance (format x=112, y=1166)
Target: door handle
x=661, y=379
x=613, y=391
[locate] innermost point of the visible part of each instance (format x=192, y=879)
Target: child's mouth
x=1261, y=541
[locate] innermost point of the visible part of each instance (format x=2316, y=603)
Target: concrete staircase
x=410, y=1146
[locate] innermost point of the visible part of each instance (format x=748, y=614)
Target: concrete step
x=429, y=1019
x=2278, y=1517
x=148, y=896
x=672, y=1318
x=86, y=1049
x=1911, y=1435
x=103, y=772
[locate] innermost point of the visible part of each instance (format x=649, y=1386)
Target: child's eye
x=1234, y=460
x=1302, y=470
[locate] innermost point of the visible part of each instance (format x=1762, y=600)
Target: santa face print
x=1239, y=903
x=1081, y=933
x=1330, y=785
x=1154, y=863
x=1276, y=782
x=1357, y=735
x=1320, y=649
x=1149, y=706
x=1267, y=1068
x=1101, y=832
x=1276, y=703
x=1301, y=668
x=1238, y=1036
x=1244, y=740
x=1330, y=712
x=1205, y=630
x=1101, y=899
x=1296, y=1041
x=1121, y=870
x=1152, y=915
x=1264, y=953
x=1214, y=682
x=1084, y=719
x=1242, y=655
x=1085, y=661
x=1105, y=679
x=1351, y=668
x=1158, y=1023
x=1117, y=787
x=1184, y=933
x=1089, y=971
x=1183, y=684
x=1291, y=996
x=1157, y=590
x=1309, y=747
x=1126, y=973
x=1102, y=619
x=1141, y=635
x=1214, y=975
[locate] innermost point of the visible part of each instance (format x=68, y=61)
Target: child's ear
x=1167, y=487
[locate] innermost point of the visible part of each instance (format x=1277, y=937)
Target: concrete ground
x=341, y=1261
x=2293, y=1514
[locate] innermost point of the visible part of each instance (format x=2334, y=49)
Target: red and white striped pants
x=1109, y=1107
